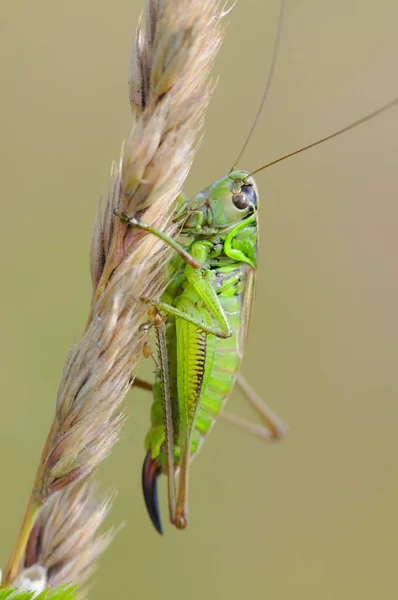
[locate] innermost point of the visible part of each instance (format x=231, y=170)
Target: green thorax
x=224, y=217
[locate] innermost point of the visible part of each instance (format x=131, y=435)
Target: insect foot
x=181, y=520
x=124, y=217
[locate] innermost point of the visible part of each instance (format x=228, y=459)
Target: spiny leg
x=160, y=328
x=192, y=361
x=273, y=430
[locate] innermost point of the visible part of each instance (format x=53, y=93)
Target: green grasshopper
x=208, y=305
x=201, y=323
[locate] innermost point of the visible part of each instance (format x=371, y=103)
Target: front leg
x=162, y=236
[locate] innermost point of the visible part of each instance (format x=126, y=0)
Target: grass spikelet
x=64, y=536
x=169, y=90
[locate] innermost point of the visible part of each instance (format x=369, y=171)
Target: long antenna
x=368, y=117
x=269, y=81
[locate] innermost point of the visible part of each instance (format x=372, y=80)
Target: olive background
x=312, y=517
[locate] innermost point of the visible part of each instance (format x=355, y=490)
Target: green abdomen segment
x=220, y=374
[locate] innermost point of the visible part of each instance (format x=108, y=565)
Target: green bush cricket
x=201, y=323
x=201, y=344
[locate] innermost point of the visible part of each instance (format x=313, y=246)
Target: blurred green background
x=315, y=516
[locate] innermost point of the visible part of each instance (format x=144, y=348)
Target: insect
x=201, y=323
x=201, y=344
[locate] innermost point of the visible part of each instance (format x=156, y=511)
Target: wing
x=246, y=302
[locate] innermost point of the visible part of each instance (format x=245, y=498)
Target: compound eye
x=250, y=193
x=240, y=201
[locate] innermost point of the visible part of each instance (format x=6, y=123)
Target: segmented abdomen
x=222, y=375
